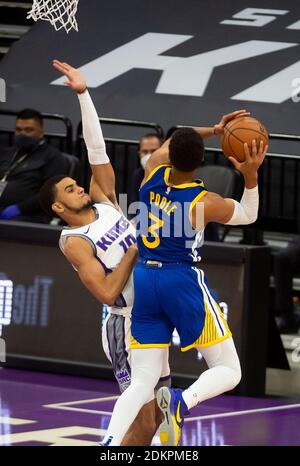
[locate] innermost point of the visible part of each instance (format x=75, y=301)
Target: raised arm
x=105, y=287
x=215, y=208
x=161, y=155
x=103, y=179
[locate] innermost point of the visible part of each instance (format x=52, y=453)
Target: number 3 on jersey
x=157, y=223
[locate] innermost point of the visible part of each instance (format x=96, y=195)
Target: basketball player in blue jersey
x=171, y=291
x=95, y=244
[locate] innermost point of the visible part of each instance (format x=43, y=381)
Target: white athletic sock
x=224, y=373
x=146, y=366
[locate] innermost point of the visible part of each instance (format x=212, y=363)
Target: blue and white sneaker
x=173, y=407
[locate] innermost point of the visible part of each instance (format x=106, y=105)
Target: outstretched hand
x=75, y=79
x=253, y=158
x=219, y=127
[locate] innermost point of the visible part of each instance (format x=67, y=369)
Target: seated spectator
x=24, y=167
x=148, y=144
x=286, y=266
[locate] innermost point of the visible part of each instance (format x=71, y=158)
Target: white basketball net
x=60, y=13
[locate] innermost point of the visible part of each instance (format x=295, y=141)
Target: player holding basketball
x=171, y=292
x=98, y=246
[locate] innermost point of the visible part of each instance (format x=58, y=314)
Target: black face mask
x=25, y=142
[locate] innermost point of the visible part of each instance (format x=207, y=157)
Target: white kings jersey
x=109, y=235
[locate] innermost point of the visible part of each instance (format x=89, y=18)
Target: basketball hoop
x=60, y=13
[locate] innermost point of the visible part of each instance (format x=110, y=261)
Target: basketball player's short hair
x=186, y=150
x=47, y=194
x=29, y=113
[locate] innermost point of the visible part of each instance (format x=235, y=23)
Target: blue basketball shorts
x=175, y=295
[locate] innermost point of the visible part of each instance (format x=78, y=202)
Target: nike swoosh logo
x=178, y=418
x=163, y=403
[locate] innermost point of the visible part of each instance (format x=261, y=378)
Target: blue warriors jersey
x=164, y=229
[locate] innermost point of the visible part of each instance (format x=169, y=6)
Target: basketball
x=239, y=131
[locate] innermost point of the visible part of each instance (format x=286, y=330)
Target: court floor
x=46, y=409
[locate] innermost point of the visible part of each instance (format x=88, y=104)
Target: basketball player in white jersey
x=100, y=244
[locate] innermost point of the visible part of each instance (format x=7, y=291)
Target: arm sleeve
x=92, y=132
x=245, y=211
